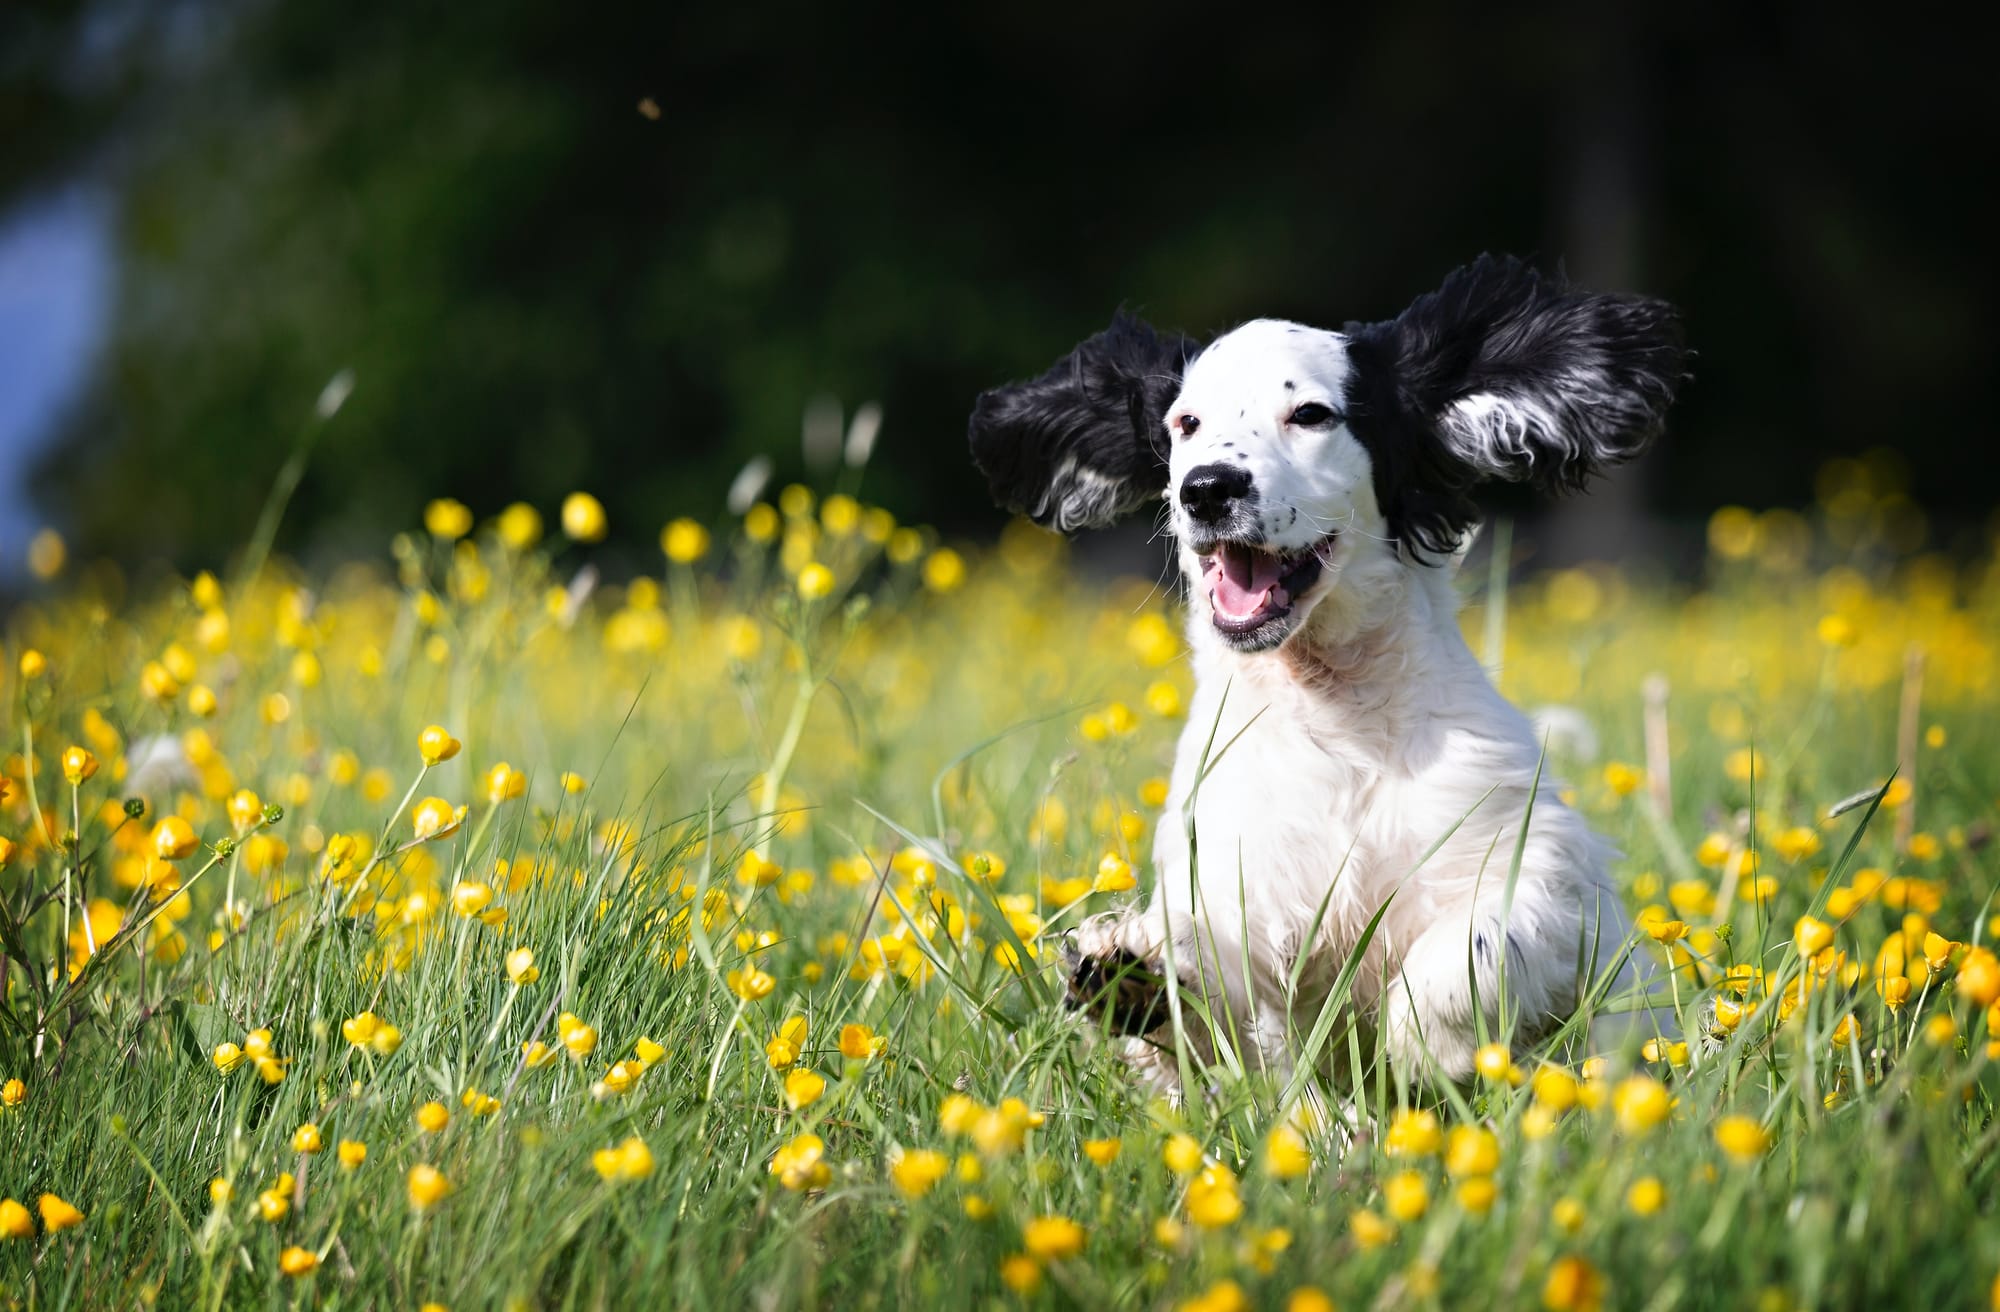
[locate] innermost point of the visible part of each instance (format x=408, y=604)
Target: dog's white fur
x=1340, y=757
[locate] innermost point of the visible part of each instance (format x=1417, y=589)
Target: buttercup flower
x=913, y=1173
x=436, y=746
x=1053, y=1238
x=174, y=838
x=427, y=1186
x=78, y=765
x=57, y=1215
x=583, y=518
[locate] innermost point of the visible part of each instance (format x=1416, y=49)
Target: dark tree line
x=539, y=286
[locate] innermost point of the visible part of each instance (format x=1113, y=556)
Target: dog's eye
x=1189, y=424
x=1311, y=415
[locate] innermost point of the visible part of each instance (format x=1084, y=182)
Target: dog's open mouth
x=1251, y=589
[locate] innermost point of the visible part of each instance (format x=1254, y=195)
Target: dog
x=1345, y=754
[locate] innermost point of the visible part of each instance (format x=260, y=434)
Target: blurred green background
x=625, y=246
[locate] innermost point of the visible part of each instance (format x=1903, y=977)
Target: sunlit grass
x=482, y=933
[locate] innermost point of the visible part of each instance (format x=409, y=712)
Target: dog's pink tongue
x=1244, y=580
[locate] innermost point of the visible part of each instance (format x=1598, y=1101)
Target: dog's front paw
x=1114, y=984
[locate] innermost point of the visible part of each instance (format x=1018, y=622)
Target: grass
x=746, y=790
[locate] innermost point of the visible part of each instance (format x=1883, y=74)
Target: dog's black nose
x=1210, y=491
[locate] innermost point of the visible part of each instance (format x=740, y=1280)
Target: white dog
x=1318, y=483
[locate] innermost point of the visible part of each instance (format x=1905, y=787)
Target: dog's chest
x=1282, y=785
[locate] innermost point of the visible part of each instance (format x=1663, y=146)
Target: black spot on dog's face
x=1118, y=988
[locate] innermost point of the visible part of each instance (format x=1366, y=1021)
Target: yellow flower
x=1979, y=977
x=1473, y=1150
x=352, y=1153
x=801, y=1164
x=751, y=985
x=628, y=1161
x=227, y=1057
x=1308, y=1298
x=56, y=1214
x=1370, y=1229
x=521, y=968
x=583, y=517
x=447, y=519
x=1212, y=1199
x=520, y=526
x=1742, y=1138
x=578, y=1039
x=1020, y=1273
x=275, y=1203
x=504, y=783
x=296, y=1261
x=537, y=1053
x=1667, y=932
x=1797, y=843
x=1477, y=1194
x=436, y=746
x=1003, y=1129
x=944, y=570
x=427, y=1185
x=1413, y=1134
x=815, y=581
x=1114, y=875
x=1164, y=699
x=1103, y=1151
x=1285, y=1153
x=913, y=1173
x=859, y=1043
x=1405, y=1196
x=1574, y=1285
x=1182, y=1154
x=13, y=1093
x=1623, y=780
x=1640, y=1103
x=1646, y=1196
x=479, y=1104
x=435, y=818
x=306, y=1139
x=1554, y=1088
x=1811, y=937
x=158, y=682
x=174, y=838
x=470, y=898
x=1568, y=1215
x=684, y=541
x=78, y=764
x=1053, y=1238
x=1838, y=631
x=1222, y=1296
x=1493, y=1062
x=15, y=1220
x=432, y=1117
x=220, y=1192
x=803, y=1088
x=957, y=1113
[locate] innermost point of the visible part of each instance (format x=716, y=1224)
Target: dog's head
x=1285, y=451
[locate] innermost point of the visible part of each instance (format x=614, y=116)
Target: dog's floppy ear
x=1505, y=373
x=1085, y=443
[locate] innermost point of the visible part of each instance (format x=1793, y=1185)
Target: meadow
x=468, y=930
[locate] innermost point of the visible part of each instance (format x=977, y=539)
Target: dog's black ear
x=1084, y=444
x=1505, y=373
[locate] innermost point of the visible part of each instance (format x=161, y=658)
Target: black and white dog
x=1318, y=484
